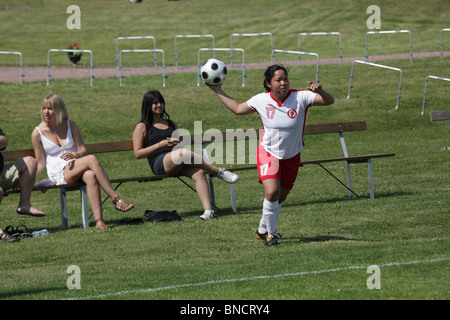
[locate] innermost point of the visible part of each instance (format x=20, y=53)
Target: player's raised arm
x=230, y=103
x=213, y=73
x=323, y=98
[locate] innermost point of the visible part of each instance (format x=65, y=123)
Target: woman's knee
x=90, y=178
x=272, y=191
x=182, y=155
x=30, y=163
x=199, y=175
x=92, y=159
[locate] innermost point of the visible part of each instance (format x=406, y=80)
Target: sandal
x=17, y=233
x=121, y=205
x=4, y=237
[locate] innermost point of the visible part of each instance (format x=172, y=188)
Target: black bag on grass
x=161, y=216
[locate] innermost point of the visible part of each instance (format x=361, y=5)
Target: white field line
x=274, y=276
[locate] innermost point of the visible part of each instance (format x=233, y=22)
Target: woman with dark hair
x=59, y=147
x=155, y=137
x=283, y=114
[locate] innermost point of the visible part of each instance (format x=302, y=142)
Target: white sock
x=271, y=211
x=262, y=226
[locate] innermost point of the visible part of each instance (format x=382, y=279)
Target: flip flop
x=4, y=237
x=17, y=233
x=30, y=214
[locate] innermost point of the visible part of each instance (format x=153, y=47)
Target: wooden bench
x=98, y=148
x=203, y=139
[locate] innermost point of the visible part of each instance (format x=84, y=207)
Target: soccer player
x=283, y=113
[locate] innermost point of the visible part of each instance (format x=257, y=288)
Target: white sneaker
x=207, y=215
x=227, y=176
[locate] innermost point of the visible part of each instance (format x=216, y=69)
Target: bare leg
x=272, y=189
x=201, y=185
x=75, y=169
x=26, y=184
x=283, y=195
x=94, y=195
x=174, y=161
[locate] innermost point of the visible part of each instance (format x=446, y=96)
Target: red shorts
x=270, y=167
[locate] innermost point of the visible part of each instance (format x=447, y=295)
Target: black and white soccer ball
x=214, y=71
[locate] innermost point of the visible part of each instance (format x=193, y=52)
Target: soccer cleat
x=227, y=176
x=207, y=215
x=271, y=240
x=260, y=236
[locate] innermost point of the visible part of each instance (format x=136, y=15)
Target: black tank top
x=155, y=135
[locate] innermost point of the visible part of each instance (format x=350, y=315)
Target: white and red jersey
x=283, y=122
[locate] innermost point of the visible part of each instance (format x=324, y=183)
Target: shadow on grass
x=325, y=239
x=28, y=293
x=225, y=211
x=381, y=195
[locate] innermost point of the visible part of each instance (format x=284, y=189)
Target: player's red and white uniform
x=282, y=138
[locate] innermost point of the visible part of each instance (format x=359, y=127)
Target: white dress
x=54, y=164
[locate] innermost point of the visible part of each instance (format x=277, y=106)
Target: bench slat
x=335, y=127
x=14, y=155
x=110, y=146
x=354, y=159
x=127, y=145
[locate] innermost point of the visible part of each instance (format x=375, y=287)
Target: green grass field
x=328, y=240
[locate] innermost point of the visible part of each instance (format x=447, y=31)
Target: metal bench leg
x=84, y=207
x=369, y=165
x=349, y=180
x=211, y=191
x=349, y=174
x=233, y=198
x=350, y=190
x=63, y=200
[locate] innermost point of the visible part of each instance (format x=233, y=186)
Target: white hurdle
x=68, y=50
x=135, y=38
x=320, y=34
x=425, y=92
x=222, y=49
x=193, y=36
x=442, y=43
x=381, y=66
x=392, y=31
x=21, y=62
x=249, y=35
x=299, y=53
x=143, y=50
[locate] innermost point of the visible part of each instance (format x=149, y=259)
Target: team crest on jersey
x=292, y=113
